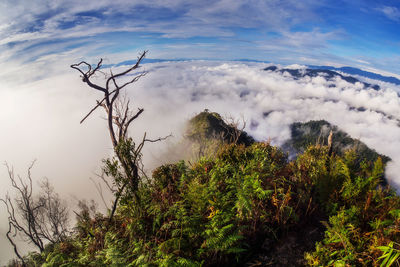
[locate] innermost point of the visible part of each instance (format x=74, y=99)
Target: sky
x=357, y=33
x=43, y=99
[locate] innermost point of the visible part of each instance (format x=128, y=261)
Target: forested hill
x=210, y=125
x=317, y=132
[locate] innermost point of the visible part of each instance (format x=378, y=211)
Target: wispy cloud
x=301, y=42
x=391, y=12
x=41, y=22
x=268, y=30
x=169, y=18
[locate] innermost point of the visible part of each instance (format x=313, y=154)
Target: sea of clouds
x=271, y=101
x=40, y=119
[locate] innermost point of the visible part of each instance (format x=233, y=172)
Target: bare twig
x=100, y=191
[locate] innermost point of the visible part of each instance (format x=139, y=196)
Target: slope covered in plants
x=244, y=206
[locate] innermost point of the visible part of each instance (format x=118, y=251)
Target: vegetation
x=210, y=125
x=242, y=206
x=207, y=131
x=124, y=167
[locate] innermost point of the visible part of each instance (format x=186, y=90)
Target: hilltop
x=316, y=132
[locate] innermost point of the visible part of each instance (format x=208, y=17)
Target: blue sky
x=358, y=33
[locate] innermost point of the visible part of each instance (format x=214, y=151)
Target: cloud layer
x=272, y=101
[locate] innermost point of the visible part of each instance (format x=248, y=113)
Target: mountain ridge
x=356, y=71
x=346, y=69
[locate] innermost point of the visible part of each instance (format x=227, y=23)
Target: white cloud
x=391, y=12
x=364, y=62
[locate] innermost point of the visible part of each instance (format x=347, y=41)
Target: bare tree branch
x=124, y=128
x=86, y=75
x=234, y=129
x=117, y=197
x=139, y=60
x=39, y=219
x=99, y=103
x=99, y=189
x=119, y=118
x=11, y=227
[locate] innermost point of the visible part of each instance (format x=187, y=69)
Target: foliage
x=363, y=217
x=390, y=254
x=238, y=205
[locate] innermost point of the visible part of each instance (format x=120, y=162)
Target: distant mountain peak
x=355, y=71
x=315, y=72
x=313, y=132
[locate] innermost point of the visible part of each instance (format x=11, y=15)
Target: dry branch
x=119, y=118
x=38, y=219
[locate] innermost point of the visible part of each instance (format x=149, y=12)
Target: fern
x=390, y=255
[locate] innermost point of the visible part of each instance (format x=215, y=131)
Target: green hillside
x=245, y=204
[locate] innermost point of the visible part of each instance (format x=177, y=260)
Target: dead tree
x=39, y=219
x=119, y=117
x=53, y=219
x=233, y=129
